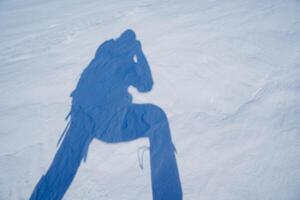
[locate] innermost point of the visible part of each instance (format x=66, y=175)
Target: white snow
x=226, y=73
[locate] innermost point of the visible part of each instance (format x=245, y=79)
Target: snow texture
x=226, y=73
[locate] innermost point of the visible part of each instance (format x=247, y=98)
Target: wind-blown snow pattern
x=226, y=79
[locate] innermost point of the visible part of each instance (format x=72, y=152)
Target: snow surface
x=225, y=72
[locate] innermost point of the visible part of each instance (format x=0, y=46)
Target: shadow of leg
x=165, y=178
x=147, y=120
x=164, y=171
x=54, y=184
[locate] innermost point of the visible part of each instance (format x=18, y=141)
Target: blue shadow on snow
x=102, y=109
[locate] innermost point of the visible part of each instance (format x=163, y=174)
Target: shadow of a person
x=102, y=109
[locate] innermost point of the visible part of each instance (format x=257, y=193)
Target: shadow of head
x=118, y=64
x=127, y=36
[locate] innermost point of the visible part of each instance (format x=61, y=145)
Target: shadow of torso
x=104, y=83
